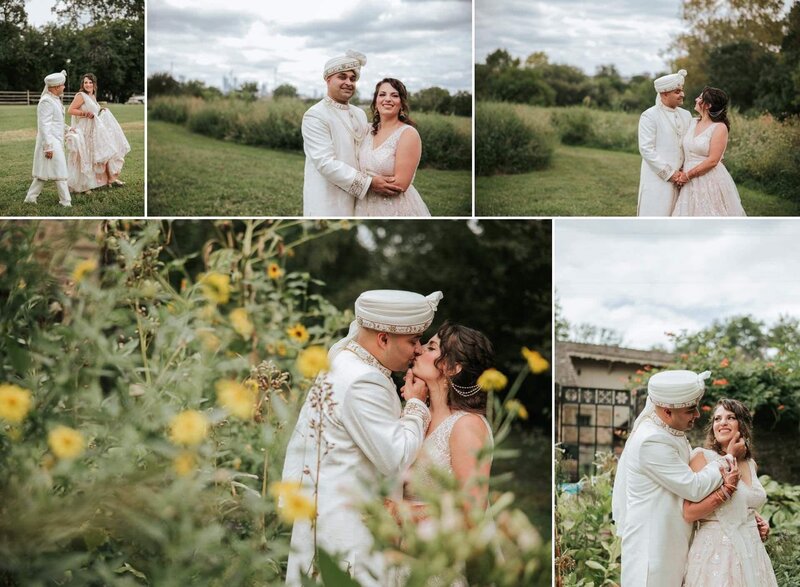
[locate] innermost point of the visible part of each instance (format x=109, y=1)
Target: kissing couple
x=369, y=438
x=354, y=168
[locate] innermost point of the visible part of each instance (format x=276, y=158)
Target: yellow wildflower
x=188, y=428
x=184, y=464
x=274, y=271
x=492, y=380
x=298, y=333
x=82, y=269
x=65, y=442
x=209, y=340
x=216, y=287
x=311, y=361
x=270, y=348
x=241, y=322
x=516, y=407
x=281, y=349
x=536, y=362
x=237, y=398
x=292, y=504
x=15, y=402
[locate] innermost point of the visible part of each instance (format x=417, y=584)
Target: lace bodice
x=435, y=454
x=381, y=160
x=696, y=149
x=754, y=494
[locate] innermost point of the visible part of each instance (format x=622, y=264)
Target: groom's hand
x=414, y=388
x=384, y=186
x=48, y=154
x=763, y=528
x=736, y=447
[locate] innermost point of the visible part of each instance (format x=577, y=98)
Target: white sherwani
x=50, y=137
x=661, y=132
x=332, y=135
x=370, y=438
x=655, y=537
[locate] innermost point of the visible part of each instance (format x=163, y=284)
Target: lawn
x=193, y=175
x=17, y=142
x=584, y=181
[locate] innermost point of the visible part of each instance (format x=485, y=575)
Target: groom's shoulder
x=650, y=112
x=316, y=109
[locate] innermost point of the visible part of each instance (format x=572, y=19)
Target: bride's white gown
x=726, y=550
x=712, y=194
x=94, y=144
x=381, y=161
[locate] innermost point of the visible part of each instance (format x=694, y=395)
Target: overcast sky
x=422, y=42
x=39, y=11
x=631, y=34
x=646, y=277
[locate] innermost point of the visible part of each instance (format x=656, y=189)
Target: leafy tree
x=161, y=84
x=433, y=99
x=733, y=68
x=74, y=11
x=248, y=92
x=537, y=59
x=462, y=103
x=285, y=91
x=501, y=59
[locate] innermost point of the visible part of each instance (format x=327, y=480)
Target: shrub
x=217, y=119
x=507, y=143
x=443, y=145
x=276, y=124
x=574, y=125
x=171, y=109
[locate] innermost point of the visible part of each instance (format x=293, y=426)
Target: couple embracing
x=368, y=438
x=354, y=168
x=682, y=172
x=688, y=517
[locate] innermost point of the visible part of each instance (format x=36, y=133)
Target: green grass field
x=590, y=182
x=193, y=175
x=17, y=142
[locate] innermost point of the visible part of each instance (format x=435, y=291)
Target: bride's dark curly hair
x=717, y=101
x=473, y=352
x=404, y=110
x=745, y=420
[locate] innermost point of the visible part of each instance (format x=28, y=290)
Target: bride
x=727, y=549
x=709, y=189
x=97, y=146
x=392, y=148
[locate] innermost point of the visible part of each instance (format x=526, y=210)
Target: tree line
x=749, y=48
x=433, y=99
x=104, y=37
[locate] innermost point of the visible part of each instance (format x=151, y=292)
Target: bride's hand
x=763, y=528
x=731, y=478
x=414, y=388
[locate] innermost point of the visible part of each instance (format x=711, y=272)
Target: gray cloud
x=646, y=277
x=627, y=33
x=399, y=38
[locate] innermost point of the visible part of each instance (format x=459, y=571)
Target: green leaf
x=332, y=575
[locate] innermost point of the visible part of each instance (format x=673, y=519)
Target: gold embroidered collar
x=661, y=424
x=367, y=357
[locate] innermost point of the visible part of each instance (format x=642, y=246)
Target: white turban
x=667, y=83
x=390, y=310
x=668, y=389
x=352, y=60
x=56, y=79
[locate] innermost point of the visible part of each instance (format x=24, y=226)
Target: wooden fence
x=28, y=97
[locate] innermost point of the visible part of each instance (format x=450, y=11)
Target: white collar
x=667, y=108
x=331, y=102
x=661, y=424
x=367, y=357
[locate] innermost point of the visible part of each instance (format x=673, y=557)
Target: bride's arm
x=693, y=511
x=409, y=151
x=467, y=441
x=75, y=108
x=719, y=140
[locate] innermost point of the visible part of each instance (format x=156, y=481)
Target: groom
x=661, y=131
x=333, y=131
x=49, y=159
x=653, y=478
x=363, y=434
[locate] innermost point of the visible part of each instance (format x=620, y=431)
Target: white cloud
x=644, y=277
x=422, y=43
